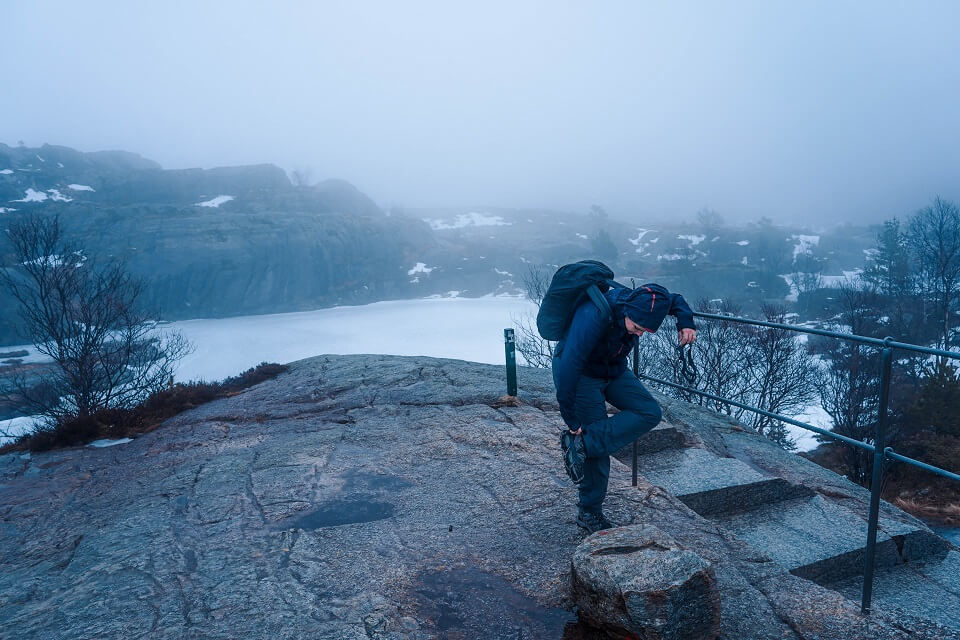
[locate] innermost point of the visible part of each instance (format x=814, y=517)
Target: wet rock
x=366, y=497
x=637, y=582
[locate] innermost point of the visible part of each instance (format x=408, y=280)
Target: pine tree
x=889, y=271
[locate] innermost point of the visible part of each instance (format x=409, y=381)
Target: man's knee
x=656, y=414
x=648, y=416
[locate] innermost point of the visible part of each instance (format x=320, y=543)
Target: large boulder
x=637, y=582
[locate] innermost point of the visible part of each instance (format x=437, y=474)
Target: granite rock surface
x=367, y=497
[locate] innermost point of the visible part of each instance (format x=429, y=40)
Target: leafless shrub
x=934, y=237
x=83, y=314
x=764, y=367
x=781, y=376
x=534, y=350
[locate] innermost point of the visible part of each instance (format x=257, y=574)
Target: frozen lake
x=461, y=328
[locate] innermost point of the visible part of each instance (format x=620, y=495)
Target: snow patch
x=32, y=196
x=794, y=294
x=743, y=260
x=636, y=241
x=55, y=260
x=694, y=240
x=6, y=172
x=743, y=243
x=804, y=244
x=18, y=426
x=79, y=187
x=420, y=267
x=60, y=164
x=472, y=219
x=812, y=415
x=109, y=443
x=670, y=256
x=580, y=235
x=503, y=273
x=39, y=158
x=6, y=209
x=848, y=277
x=215, y=202
x=56, y=196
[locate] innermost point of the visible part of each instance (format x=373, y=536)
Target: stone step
x=929, y=588
x=712, y=485
x=819, y=540
x=657, y=439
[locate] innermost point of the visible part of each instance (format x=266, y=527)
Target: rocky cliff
x=386, y=497
x=240, y=240
x=216, y=242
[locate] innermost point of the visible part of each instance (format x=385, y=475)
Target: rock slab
x=637, y=582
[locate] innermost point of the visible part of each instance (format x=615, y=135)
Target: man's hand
x=686, y=336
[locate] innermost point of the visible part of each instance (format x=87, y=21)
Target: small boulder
x=636, y=582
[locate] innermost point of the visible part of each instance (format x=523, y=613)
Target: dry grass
x=930, y=510
x=123, y=423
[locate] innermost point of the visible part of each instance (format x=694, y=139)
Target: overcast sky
x=801, y=111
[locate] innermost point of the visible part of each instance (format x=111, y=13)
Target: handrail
x=890, y=453
x=880, y=451
x=769, y=414
x=878, y=342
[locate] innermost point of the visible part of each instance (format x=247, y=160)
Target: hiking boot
x=593, y=521
x=574, y=455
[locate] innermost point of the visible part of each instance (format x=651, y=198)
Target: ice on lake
x=460, y=328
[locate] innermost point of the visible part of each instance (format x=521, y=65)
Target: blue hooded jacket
x=597, y=348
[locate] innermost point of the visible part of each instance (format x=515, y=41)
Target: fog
x=812, y=112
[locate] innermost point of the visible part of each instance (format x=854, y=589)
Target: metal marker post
x=876, y=480
x=510, y=346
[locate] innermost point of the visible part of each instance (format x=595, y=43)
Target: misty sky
x=804, y=111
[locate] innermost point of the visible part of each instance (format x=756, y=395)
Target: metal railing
x=880, y=452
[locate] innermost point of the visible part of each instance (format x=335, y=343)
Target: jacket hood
x=647, y=305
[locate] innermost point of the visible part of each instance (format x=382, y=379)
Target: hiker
x=590, y=369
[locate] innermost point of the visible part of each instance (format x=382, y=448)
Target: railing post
x=877, y=480
x=636, y=372
x=510, y=346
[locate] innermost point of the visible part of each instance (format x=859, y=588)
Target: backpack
x=569, y=285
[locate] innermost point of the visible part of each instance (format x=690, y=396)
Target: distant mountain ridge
x=216, y=242
x=244, y=240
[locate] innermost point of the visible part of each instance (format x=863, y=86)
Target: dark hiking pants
x=603, y=436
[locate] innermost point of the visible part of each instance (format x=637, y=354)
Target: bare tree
x=781, y=373
x=848, y=393
x=718, y=356
x=709, y=220
x=84, y=315
x=721, y=359
x=848, y=383
x=767, y=368
x=808, y=274
x=934, y=237
x=534, y=350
